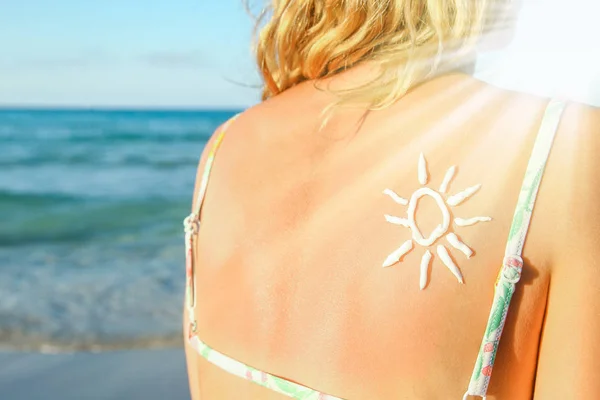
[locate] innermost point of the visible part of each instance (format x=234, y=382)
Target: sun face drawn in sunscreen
x=442, y=230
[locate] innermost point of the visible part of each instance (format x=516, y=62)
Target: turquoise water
x=91, y=203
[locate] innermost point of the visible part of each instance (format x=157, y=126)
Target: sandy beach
x=119, y=375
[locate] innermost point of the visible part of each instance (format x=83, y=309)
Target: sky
x=196, y=53
x=126, y=52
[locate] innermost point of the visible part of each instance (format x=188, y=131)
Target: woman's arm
x=569, y=357
x=191, y=356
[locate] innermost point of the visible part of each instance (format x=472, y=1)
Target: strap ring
x=511, y=269
x=191, y=224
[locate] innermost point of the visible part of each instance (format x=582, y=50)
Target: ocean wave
x=53, y=218
x=99, y=161
x=91, y=246
x=23, y=341
x=100, y=136
x=109, y=125
x=8, y=198
x=114, y=137
x=94, y=296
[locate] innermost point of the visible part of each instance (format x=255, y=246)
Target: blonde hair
x=408, y=40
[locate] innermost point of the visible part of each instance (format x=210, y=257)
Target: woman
x=355, y=224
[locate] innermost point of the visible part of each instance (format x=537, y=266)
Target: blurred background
x=105, y=108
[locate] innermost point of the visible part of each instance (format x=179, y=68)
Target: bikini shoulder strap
x=533, y=178
x=210, y=159
x=510, y=273
x=192, y=224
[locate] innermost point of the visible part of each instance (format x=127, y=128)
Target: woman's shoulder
x=577, y=169
x=567, y=213
x=570, y=212
x=573, y=173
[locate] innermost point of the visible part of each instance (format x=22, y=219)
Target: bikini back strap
x=192, y=224
x=210, y=159
x=510, y=273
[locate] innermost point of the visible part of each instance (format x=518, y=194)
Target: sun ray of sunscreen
x=447, y=179
x=397, y=221
x=459, y=244
x=462, y=196
x=395, y=197
x=398, y=254
x=425, y=263
x=445, y=256
x=423, y=176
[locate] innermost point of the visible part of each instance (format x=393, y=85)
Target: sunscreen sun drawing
x=444, y=202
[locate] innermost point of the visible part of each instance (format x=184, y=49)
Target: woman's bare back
x=289, y=273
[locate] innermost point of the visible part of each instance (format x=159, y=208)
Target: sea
x=91, y=239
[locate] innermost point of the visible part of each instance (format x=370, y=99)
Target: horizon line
x=81, y=107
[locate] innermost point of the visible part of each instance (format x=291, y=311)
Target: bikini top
x=508, y=276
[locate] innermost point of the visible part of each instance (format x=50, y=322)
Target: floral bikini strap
x=192, y=224
x=510, y=273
